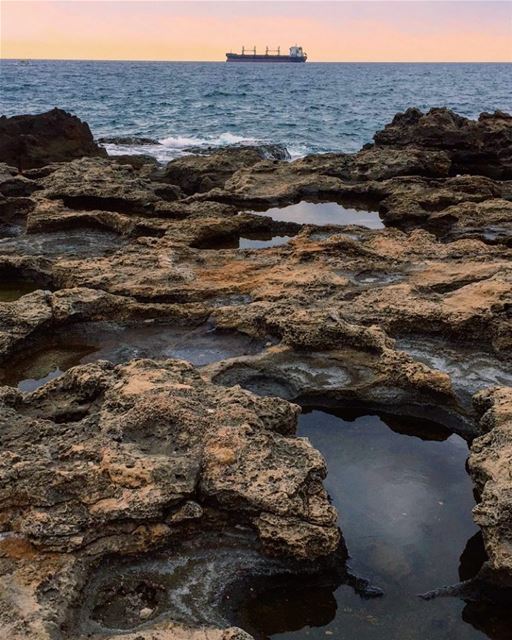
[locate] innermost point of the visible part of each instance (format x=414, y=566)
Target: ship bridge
x=296, y=52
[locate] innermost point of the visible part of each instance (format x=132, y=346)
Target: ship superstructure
x=297, y=54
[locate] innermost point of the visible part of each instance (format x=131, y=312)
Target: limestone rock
x=98, y=184
x=489, y=464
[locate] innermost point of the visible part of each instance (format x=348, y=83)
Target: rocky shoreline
x=111, y=460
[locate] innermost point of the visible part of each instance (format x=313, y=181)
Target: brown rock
x=481, y=147
x=489, y=464
x=202, y=173
x=36, y=140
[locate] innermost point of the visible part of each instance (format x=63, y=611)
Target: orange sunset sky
x=329, y=31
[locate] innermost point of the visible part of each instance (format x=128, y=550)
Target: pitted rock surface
x=111, y=461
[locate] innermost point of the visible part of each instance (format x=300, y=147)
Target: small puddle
x=405, y=503
x=249, y=241
x=324, y=213
x=92, y=341
x=12, y=289
x=82, y=242
x=10, y=230
x=261, y=242
x=196, y=584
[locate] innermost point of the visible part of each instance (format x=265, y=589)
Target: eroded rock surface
x=120, y=450
x=197, y=173
x=111, y=461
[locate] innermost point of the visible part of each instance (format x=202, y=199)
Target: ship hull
x=237, y=57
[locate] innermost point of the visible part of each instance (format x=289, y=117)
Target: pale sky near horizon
x=399, y=31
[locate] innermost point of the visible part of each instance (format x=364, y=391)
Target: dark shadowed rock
x=13, y=184
x=29, y=141
x=482, y=146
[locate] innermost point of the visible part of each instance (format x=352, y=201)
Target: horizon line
x=224, y=61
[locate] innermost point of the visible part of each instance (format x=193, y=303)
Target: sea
x=308, y=108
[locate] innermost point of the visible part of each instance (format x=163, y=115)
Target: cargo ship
x=297, y=54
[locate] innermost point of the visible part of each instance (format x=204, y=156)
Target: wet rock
x=481, y=147
x=36, y=140
x=127, y=140
x=136, y=160
x=25, y=320
x=265, y=151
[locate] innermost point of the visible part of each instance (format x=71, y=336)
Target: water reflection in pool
x=11, y=288
x=405, y=503
x=92, y=341
x=260, y=240
x=324, y=213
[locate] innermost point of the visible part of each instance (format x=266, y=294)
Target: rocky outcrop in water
x=127, y=140
x=107, y=461
x=265, y=151
x=482, y=147
x=198, y=173
x=37, y=140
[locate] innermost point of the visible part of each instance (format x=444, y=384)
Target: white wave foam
x=180, y=142
x=176, y=146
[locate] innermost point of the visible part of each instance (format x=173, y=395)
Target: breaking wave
x=176, y=146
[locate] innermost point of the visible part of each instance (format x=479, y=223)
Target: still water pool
x=405, y=503
x=324, y=213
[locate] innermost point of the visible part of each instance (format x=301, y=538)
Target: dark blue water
x=310, y=108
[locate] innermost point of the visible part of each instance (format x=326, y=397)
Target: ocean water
x=309, y=108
